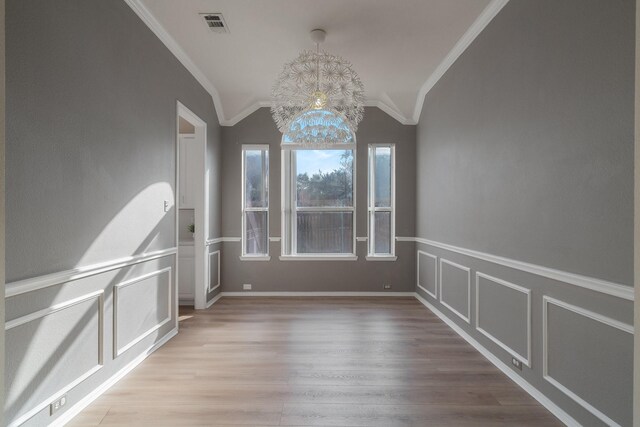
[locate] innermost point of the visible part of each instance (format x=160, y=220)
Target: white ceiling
x=400, y=48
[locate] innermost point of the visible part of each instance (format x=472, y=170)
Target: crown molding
x=467, y=38
x=389, y=110
x=245, y=113
x=147, y=17
x=476, y=28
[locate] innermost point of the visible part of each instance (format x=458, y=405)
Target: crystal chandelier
x=318, y=98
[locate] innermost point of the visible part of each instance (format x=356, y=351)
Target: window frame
x=372, y=255
x=290, y=209
x=244, y=209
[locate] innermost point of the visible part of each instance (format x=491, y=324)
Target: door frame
x=201, y=205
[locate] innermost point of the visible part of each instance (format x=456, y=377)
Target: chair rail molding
x=591, y=283
x=40, y=282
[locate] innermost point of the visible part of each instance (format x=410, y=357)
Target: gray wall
x=91, y=127
x=636, y=257
x=91, y=124
x=2, y=216
x=276, y=275
x=525, y=150
x=525, y=146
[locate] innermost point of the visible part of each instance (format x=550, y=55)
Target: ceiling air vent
x=215, y=22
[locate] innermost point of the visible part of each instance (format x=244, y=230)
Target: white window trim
x=290, y=208
x=265, y=177
x=372, y=209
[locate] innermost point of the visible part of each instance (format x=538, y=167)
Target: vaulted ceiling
x=398, y=47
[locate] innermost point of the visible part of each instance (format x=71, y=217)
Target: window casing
x=381, y=200
x=255, y=201
x=319, y=209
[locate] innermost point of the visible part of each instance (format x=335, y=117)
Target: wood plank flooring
x=264, y=361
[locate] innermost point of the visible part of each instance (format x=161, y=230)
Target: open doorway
x=191, y=208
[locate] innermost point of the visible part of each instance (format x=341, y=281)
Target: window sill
x=381, y=258
x=254, y=258
x=348, y=257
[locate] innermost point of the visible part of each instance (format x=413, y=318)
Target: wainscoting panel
x=141, y=306
x=589, y=357
x=455, y=288
x=214, y=271
x=503, y=314
x=50, y=351
x=571, y=333
x=427, y=272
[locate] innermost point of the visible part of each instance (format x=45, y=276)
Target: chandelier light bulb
x=319, y=100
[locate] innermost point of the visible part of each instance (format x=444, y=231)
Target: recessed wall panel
x=50, y=351
x=141, y=306
x=214, y=271
x=503, y=314
x=455, y=288
x=589, y=357
x=428, y=273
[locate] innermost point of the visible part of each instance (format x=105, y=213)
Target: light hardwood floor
x=264, y=361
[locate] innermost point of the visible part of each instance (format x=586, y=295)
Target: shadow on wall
x=137, y=238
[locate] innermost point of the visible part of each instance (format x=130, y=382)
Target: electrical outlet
x=246, y=286
x=166, y=206
x=387, y=286
x=58, y=404
x=516, y=363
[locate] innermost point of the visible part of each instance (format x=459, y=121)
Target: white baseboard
x=213, y=300
x=317, y=294
x=86, y=401
x=534, y=392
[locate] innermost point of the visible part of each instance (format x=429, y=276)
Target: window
x=255, y=201
x=319, y=202
x=381, y=210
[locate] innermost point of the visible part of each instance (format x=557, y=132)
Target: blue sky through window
x=310, y=161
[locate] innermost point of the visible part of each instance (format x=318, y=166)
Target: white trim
x=317, y=294
x=210, y=242
x=433, y=295
x=116, y=290
x=361, y=239
x=99, y=295
x=391, y=111
x=209, y=288
x=546, y=300
x=348, y=257
x=231, y=239
x=40, y=282
x=466, y=318
x=274, y=239
x=101, y=389
x=245, y=113
x=147, y=17
x=598, y=285
x=254, y=258
x=381, y=258
x=467, y=38
x=526, y=360
x=506, y=369
x=214, y=299
x=10, y=324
